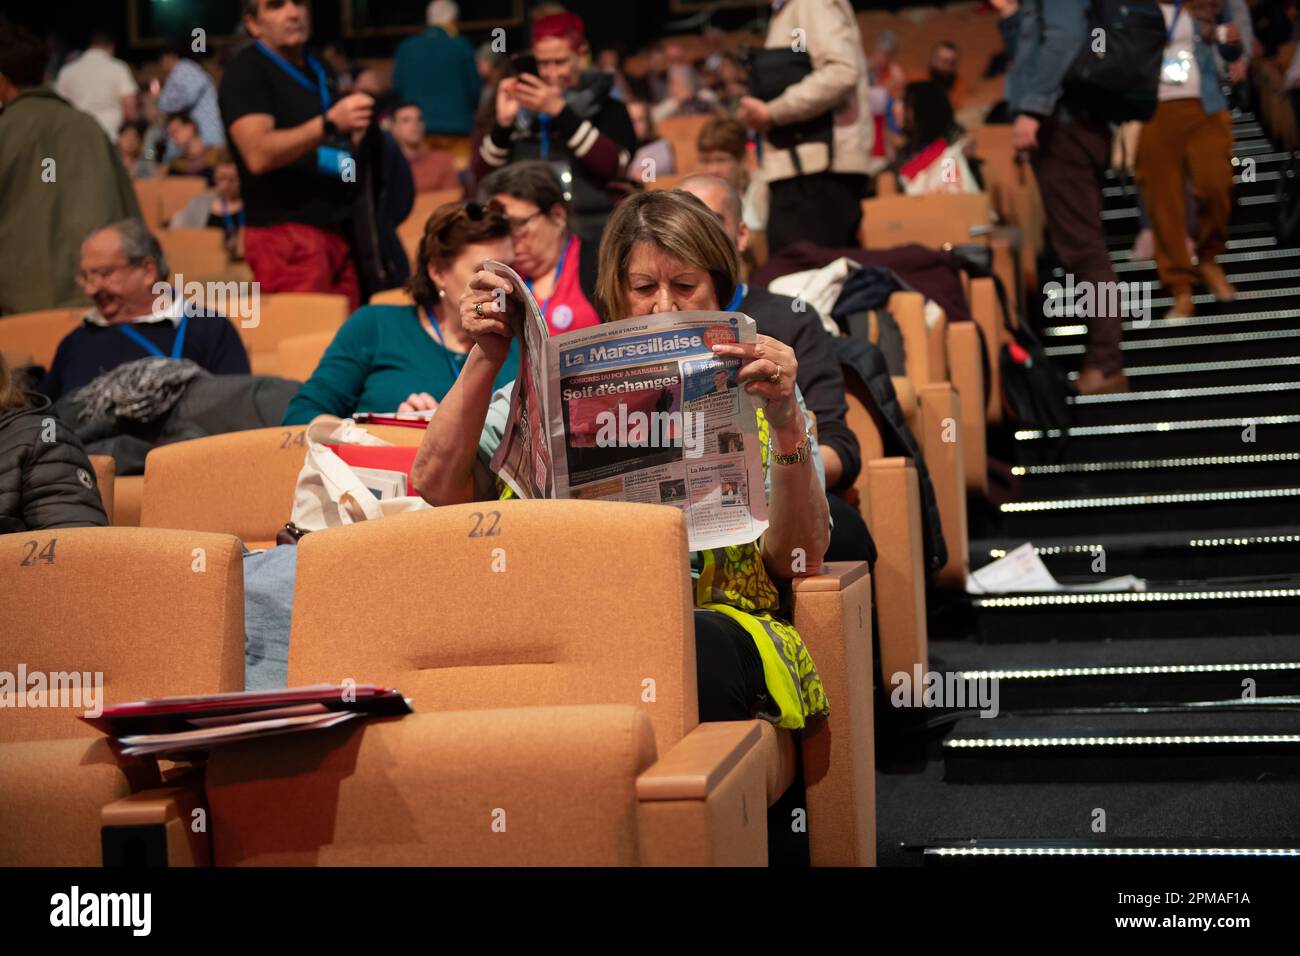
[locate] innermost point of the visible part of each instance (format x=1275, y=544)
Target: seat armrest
x=941, y=441
x=987, y=313
x=832, y=612
x=704, y=803
x=923, y=345
x=899, y=575
x=166, y=825
x=966, y=368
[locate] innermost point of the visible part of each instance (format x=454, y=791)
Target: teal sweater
x=380, y=356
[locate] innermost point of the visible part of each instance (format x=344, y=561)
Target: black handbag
x=771, y=72
x=1117, y=73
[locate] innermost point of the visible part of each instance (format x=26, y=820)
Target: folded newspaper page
x=640, y=410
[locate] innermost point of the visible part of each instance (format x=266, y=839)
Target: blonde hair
x=680, y=225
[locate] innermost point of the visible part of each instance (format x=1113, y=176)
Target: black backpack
x=771, y=72
x=1287, y=222
x=1119, y=82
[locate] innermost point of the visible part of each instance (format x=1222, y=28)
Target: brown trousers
x=1182, y=141
x=1069, y=164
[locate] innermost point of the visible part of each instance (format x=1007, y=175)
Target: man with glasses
x=60, y=176
x=554, y=111
x=121, y=267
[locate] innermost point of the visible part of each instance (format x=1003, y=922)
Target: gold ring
x=478, y=309
x=775, y=377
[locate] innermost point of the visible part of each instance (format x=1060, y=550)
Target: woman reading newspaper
x=664, y=251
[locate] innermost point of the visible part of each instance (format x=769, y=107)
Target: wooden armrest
x=701, y=760
x=986, y=312
x=833, y=576
x=966, y=367
x=165, y=825
x=899, y=575
x=941, y=440
x=923, y=345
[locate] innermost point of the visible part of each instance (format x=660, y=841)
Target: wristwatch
x=331, y=131
x=802, y=452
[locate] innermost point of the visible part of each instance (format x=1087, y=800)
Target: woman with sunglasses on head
x=665, y=251
x=405, y=357
x=558, y=266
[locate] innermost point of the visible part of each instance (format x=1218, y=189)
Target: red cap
x=565, y=26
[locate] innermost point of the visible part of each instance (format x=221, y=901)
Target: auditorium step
x=1166, y=744
x=1266, y=607
x=1145, y=475
x=1039, y=675
x=1172, y=438
x=1218, y=556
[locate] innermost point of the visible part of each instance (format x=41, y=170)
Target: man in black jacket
x=820, y=380
x=565, y=117
x=46, y=480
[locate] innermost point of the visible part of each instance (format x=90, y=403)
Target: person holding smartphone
x=552, y=110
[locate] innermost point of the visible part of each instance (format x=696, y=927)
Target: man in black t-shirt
x=294, y=143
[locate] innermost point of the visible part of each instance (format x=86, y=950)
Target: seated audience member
x=610, y=62
x=685, y=97
x=130, y=148
x=663, y=251
x=820, y=380
x=649, y=145
x=491, y=65
x=932, y=156
x=194, y=157
x=566, y=116
x=120, y=266
x=187, y=88
x=220, y=208
x=943, y=71
x=38, y=259
x=721, y=149
x=432, y=169
x=405, y=357
x=345, y=71
x=46, y=480
x=558, y=265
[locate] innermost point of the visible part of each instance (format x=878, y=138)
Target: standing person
x=816, y=186
x=566, y=116
x=1069, y=148
x=437, y=70
x=100, y=84
x=60, y=177
x=1190, y=137
x=293, y=143
x=187, y=88
x=431, y=169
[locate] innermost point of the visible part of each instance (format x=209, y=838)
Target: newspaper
x=640, y=410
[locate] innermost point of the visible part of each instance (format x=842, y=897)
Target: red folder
x=385, y=457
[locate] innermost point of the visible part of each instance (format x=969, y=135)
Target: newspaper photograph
x=640, y=410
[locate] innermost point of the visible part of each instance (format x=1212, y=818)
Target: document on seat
x=640, y=410
x=173, y=715
x=1023, y=570
x=194, y=741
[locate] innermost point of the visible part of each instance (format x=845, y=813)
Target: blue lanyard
x=555, y=283
x=544, y=126
x=437, y=337
x=298, y=76
x=152, y=349
x=231, y=228
x=737, y=297
x=1178, y=8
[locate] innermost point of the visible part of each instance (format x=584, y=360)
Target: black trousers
x=824, y=208
x=729, y=674
x=850, y=537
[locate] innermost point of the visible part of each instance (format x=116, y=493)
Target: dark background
x=374, y=26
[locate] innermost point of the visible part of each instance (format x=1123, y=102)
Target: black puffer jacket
x=44, y=483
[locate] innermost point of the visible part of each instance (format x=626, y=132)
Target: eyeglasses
x=99, y=276
x=517, y=226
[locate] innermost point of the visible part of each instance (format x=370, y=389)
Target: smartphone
x=524, y=63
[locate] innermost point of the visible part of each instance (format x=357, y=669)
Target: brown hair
x=680, y=225
x=724, y=134
x=11, y=396
x=451, y=228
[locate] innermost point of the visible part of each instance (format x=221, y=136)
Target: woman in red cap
x=566, y=116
